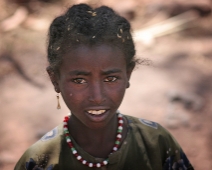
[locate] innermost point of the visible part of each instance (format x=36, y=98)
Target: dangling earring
x=128, y=84
x=58, y=101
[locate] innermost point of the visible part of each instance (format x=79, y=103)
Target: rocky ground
x=175, y=90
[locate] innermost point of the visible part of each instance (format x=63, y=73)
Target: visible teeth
x=96, y=112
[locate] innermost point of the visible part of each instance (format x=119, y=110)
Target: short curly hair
x=83, y=25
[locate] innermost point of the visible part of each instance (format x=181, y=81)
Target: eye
x=79, y=81
x=111, y=79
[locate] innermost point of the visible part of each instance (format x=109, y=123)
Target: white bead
x=98, y=165
x=121, y=121
x=90, y=165
x=120, y=127
x=115, y=148
x=68, y=140
x=74, y=152
x=79, y=157
x=65, y=123
x=84, y=162
x=105, y=162
x=65, y=128
x=119, y=136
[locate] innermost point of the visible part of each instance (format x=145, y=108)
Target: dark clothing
x=148, y=146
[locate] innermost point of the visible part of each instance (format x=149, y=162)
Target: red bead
x=70, y=144
x=118, y=139
x=66, y=117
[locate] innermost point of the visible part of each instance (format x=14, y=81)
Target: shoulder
x=43, y=153
x=146, y=127
x=152, y=133
x=156, y=139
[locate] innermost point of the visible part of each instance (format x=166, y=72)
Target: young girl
x=91, y=58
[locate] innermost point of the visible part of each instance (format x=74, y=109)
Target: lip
x=97, y=118
x=97, y=108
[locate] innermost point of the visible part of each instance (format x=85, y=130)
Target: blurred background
x=174, y=90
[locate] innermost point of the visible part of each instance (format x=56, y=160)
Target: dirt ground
x=175, y=90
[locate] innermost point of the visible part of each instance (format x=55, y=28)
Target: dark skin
x=99, y=142
x=93, y=78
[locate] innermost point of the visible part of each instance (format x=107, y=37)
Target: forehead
x=94, y=56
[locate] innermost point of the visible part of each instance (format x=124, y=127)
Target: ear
x=54, y=78
x=130, y=68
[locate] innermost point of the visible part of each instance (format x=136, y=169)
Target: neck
x=98, y=133
x=97, y=141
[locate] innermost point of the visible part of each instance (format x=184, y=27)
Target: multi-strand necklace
x=79, y=157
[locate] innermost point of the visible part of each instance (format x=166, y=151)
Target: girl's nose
x=96, y=93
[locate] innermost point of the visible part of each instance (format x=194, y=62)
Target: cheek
x=70, y=95
x=117, y=93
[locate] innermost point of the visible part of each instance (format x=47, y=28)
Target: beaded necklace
x=79, y=157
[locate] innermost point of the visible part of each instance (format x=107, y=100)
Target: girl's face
x=92, y=82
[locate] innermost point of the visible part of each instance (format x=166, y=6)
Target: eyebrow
x=111, y=71
x=79, y=72
x=86, y=73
